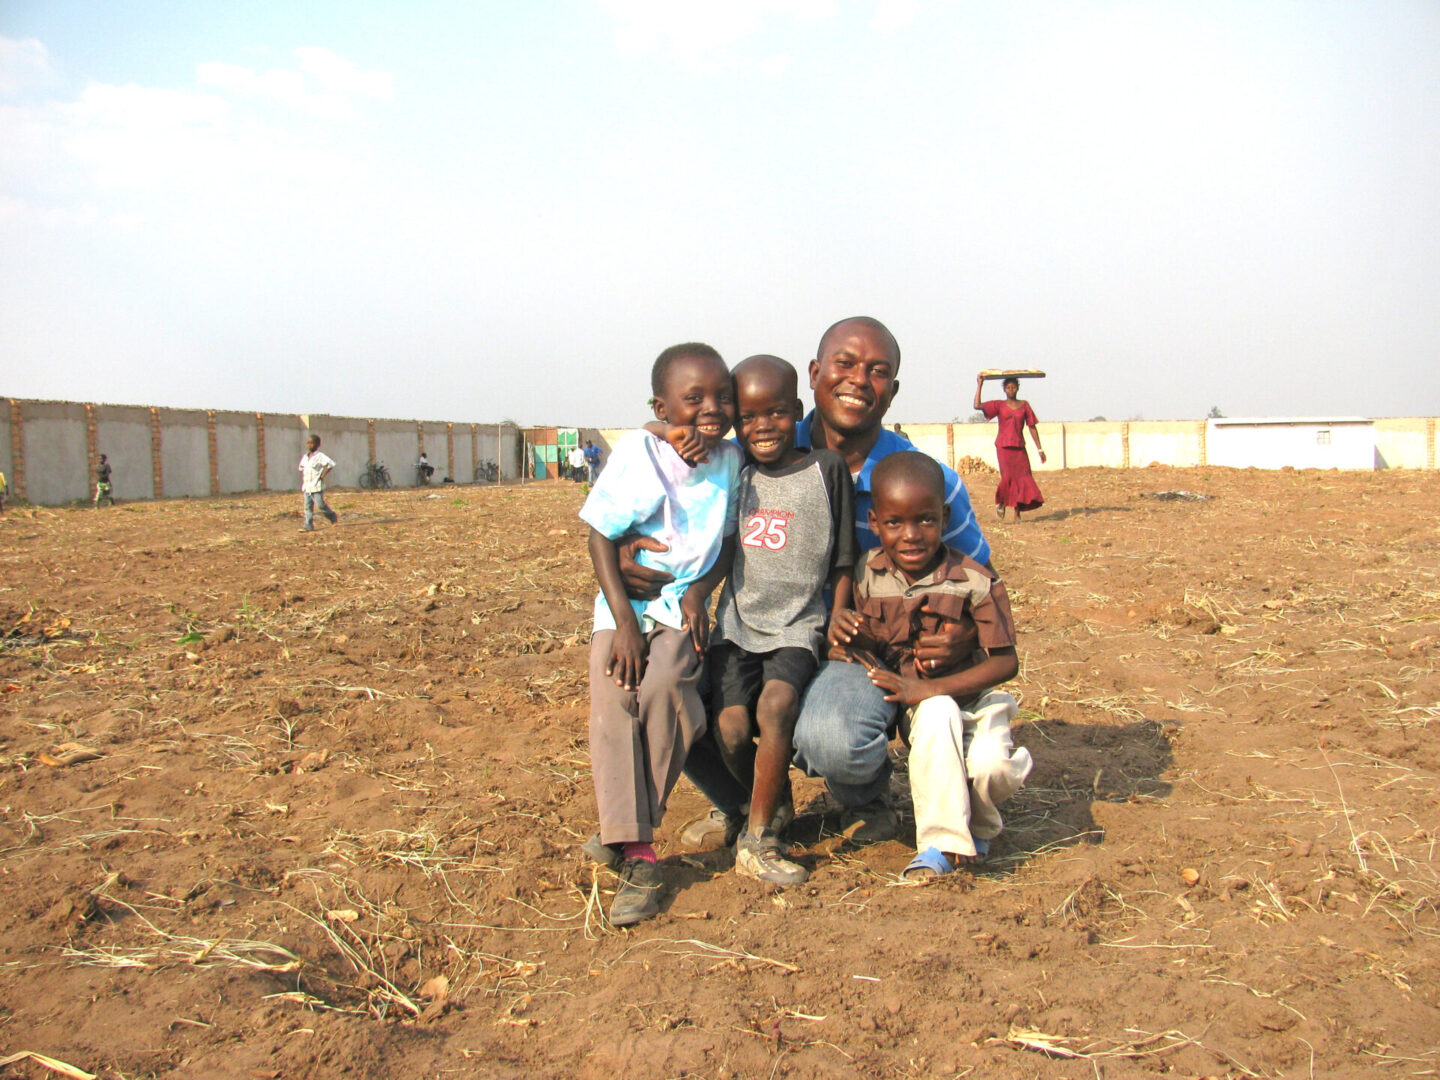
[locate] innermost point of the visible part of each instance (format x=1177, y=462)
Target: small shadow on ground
x=1078, y=511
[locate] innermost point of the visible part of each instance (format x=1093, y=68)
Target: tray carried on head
x=1011, y=373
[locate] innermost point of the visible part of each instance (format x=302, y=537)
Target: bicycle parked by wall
x=376, y=475
x=487, y=472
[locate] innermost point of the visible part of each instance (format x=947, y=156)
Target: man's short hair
x=865, y=320
x=661, y=368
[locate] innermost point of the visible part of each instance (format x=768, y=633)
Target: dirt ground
x=284, y=805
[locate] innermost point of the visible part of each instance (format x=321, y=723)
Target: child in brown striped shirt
x=962, y=759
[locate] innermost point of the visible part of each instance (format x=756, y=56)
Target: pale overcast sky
x=469, y=211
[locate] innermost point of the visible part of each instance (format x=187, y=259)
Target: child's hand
x=845, y=626
x=697, y=619
x=627, y=657
x=903, y=689
x=688, y=443
x=946, y=648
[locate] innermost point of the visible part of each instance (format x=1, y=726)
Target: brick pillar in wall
x=475, y=445
x=420, y=435
x=17, y=450
x=370, y=436
x=450, y=448
x=214, y=442
x=1125, y=445
x=1430, y=442
x=260, y=449
x=950, y=445
x=1204, y=443
x=155, y=464
x=92, y=443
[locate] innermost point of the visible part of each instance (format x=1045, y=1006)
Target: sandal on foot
x=982, y=847
x=927, y=864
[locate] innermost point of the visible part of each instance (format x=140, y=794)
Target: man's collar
x=886, y=443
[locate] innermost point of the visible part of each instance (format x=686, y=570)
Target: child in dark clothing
x=102, y=482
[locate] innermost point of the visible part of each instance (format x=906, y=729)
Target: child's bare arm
x=999, y=666
x=695, y=604
x=686, y=440
x=626, y=662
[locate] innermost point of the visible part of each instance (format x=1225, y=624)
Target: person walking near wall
x=314, y=467
x=102, y=482
x=1017, y=487
x=592, y=460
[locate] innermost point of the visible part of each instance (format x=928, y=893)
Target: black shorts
x=737, y=676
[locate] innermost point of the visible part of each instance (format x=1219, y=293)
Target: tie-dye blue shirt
x=647, y=490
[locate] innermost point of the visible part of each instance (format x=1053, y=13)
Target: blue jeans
x=843, y=733
x=315, y=499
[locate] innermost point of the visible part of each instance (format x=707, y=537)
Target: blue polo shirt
x=964, y=533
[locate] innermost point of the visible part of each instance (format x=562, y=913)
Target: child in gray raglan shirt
x=797, y=536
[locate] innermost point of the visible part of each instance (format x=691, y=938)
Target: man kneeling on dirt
x=845, y=723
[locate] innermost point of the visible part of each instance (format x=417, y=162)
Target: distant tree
x=1095, y=418
x=977, y=418
x=1215, y=413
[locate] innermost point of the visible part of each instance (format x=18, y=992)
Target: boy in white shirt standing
x=314, y=467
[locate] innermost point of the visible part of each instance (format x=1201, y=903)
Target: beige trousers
x=962, y=766
x=639, y=740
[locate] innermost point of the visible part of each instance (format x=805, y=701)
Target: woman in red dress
x=1017, y=487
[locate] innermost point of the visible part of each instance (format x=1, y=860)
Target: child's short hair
x=661, y=368
x=765, y=362
x=908, y=465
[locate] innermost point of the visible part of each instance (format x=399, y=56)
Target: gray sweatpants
x=639, y=739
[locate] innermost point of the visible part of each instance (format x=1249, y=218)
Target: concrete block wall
x=1165, y=442
x=7, y=456
x=48, y=449
x=1405, y=443
x=508, y=451
x=465, y=447
x=977, y=441
x=432, y=436
x=56, y=467
x=125, y=435
x=237, y=452
x=184, y=451
x=397, y=445
x=284, y=447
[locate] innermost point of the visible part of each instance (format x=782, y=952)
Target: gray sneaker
x=638, y=897
x=715, y=829
x=870, y=823
x=763, y=857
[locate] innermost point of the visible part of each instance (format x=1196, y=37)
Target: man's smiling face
x=855, y=378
